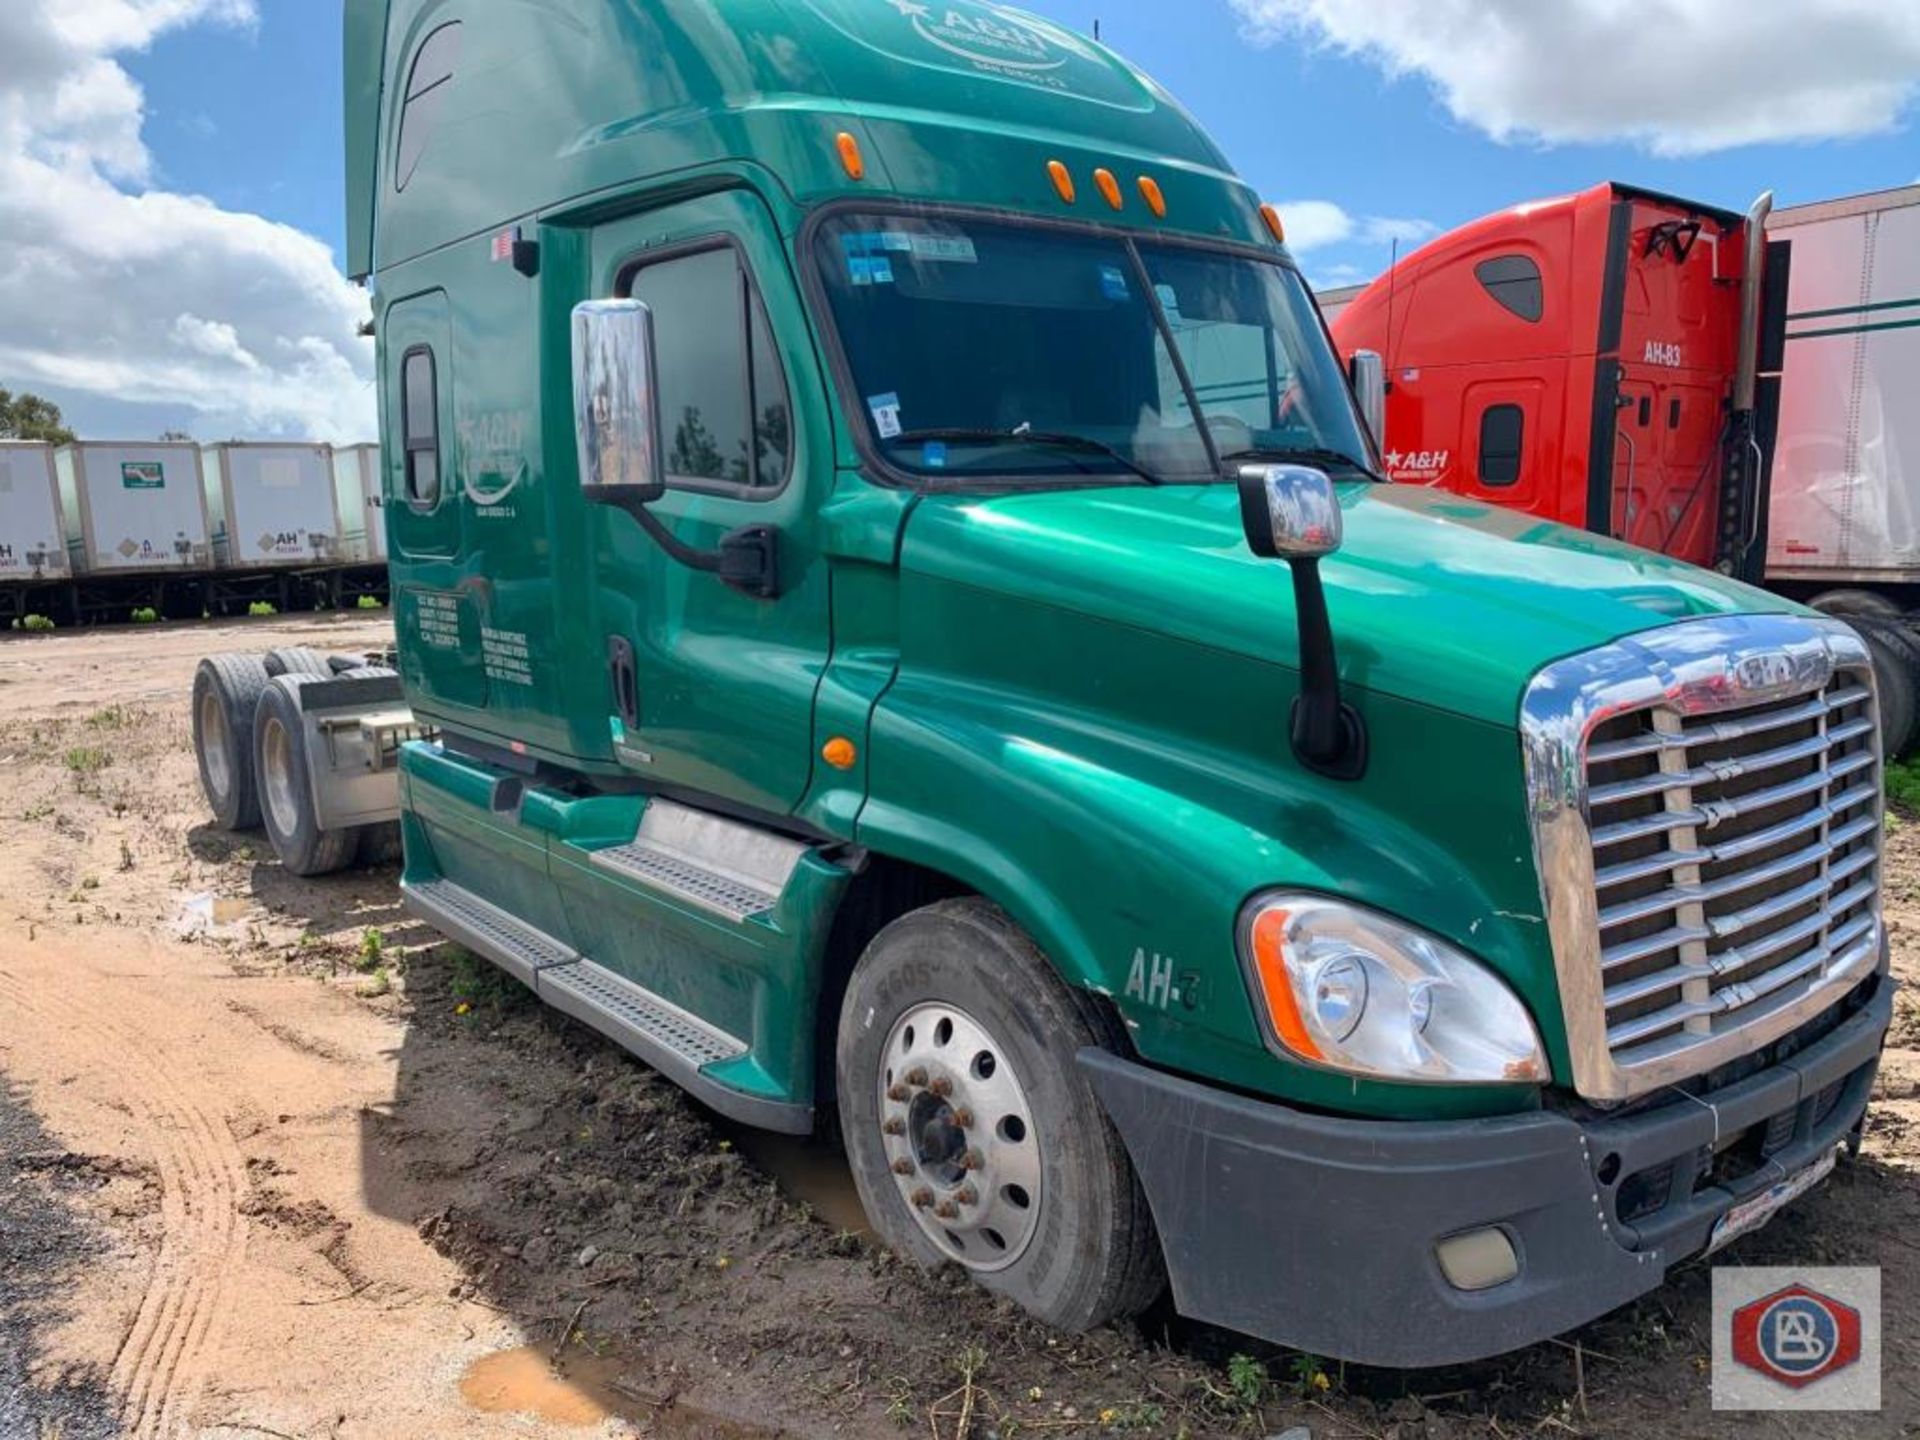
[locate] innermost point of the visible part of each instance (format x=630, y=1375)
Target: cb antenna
x=1393, y=280
x=1096, y=27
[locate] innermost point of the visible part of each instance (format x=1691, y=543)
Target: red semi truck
x=1726, y=388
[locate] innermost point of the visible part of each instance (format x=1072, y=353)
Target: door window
x=420, y=424
x=724, y=413
x=1502, y=430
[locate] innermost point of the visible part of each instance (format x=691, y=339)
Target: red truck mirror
x=1367, y=373
x=616, y=403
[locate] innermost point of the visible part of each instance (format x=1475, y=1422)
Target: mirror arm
x=1328, y=735
x=748, y=558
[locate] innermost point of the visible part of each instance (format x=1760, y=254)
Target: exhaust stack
x=1748, y=366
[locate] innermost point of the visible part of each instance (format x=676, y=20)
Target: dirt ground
x=276, y=1162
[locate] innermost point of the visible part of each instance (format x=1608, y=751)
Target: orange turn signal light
x=840, y=753
x=1109, y=187
x=1274, y=227
x=1062, y=180
x=850, y=156
x=1270, y=963
x=1151, y=193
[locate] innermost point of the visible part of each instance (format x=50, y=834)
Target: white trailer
x=1336, y=299
x=132, y=508
x=33, y=542
x=1845, y=503
x=356, y=471
x=273, y=505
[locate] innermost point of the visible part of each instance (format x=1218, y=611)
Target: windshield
x=987, y=348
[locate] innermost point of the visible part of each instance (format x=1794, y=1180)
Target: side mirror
x=1368, y=374
x=1290, y=512
x=616, y=403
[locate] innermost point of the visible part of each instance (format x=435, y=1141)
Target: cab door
x=710, y=689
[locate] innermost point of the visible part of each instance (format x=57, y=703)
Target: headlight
x=1353, y=990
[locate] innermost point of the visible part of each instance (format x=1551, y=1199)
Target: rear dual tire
x=226, y=692
x=286, y=785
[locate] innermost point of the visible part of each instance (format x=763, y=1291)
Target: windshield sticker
x=934, y=455
x=886, y=414
x=944, y=249
x=1169, y=301
x=1113, y=283
x=870, y=269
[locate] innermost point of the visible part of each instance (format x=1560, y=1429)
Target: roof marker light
x=1274, y=227
x=1109, y=187
x=1062, y=180
x=850, y=156
x=1151, y=193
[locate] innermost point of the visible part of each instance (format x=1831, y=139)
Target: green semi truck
x=900, y=627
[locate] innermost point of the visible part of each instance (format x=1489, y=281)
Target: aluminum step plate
x=654, y=1029
x=512, y=944
x=687, y=880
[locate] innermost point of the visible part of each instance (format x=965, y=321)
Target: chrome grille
x=1736, y=861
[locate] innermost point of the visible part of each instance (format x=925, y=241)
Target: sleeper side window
x=420, y=427
x=1502, y=429
x=427, y=86
x=1514, y=281
x=724, y=414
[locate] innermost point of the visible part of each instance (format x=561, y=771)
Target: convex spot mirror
x=616, y=403
x=1290, y=512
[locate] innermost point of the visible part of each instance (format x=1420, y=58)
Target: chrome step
x=658, y=1031
x=731, y=869
x=484, y=928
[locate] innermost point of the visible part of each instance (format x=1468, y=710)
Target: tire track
x=162, y=1365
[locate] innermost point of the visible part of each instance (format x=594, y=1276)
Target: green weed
x=368, y=602
x=88, y=759
x=263, y=607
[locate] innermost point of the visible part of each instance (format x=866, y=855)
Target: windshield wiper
x=1023, y=435
x=1302, y=455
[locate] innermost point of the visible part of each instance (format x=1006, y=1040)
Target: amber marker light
x=1270, y=962
x=1274, y=227
x=1109, y=187
x=1156, y=199
x=850, y=156
x=840, y=753
x=1062, y=180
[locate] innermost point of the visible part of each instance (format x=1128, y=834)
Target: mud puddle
x=810, y=1172
x=582, y=1391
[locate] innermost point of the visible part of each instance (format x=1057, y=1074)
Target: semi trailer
x=1730, y=388
x=901, y=626
x=33, y=545
x=356, y=471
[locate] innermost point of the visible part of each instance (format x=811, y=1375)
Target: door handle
x=623, y=680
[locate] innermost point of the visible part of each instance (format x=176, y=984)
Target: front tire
x=973, y=1137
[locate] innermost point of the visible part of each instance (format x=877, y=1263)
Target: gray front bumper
x=1318, y=1232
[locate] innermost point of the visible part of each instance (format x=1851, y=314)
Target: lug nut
x=917, y=1076
x=898, y=1093
x=967, y=1195
x=894, y=1126
x=947, y=1210
x=941, y=1086
x=921, y=1198
x=972, y=1160
x=963, y=1117
x=903, y=1166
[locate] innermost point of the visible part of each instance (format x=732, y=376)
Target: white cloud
x=1679, y=77
x=1315, y=224
x=137, y=299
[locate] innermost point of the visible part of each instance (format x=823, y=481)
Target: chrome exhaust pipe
x=1747, y=368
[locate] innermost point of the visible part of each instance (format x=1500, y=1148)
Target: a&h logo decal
x=983, y=34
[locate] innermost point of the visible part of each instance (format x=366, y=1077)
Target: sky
x=172, y=209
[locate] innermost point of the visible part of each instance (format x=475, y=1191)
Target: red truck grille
x=1736, y=859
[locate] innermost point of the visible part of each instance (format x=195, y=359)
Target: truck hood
x=1434, y=599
